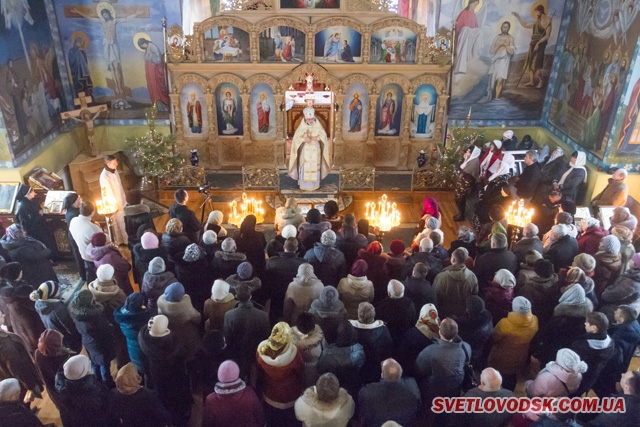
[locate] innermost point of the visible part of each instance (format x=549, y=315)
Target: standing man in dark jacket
x=630, y=385
x=497, y=258
x=427, y=258
x=327, y=261
x=564, y=248
x=397, y=311
x=528, y=181
x=418, y=289
x=190, y=224
x=279, y=272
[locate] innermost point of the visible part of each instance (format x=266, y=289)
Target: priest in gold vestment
x=310, y=158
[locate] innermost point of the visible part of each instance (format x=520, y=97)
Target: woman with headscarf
x=33, y=256
x=355, y=288
x=131, y=317
x=329, y=312
x=310, y=232
x=55, y=314
x=608, y=263
x=591, y=235
x=214, y=223
x=430, y=208
x=215, y=307
x=302, y=291
x=467, y=178
x=49, y=357
x=252, y=243
x=226, y=261
x=625, y=290
x=309, y=338
x=425, y=332
x=491, y=194
x=475, y=328
x=559, y=378
x=376, y=268
x=572, y=176
x=627, y=251
x=499, y=294
x=71, y=207
x=622, y=216
x=466, y=239
x=29, y=217
x=280, y=373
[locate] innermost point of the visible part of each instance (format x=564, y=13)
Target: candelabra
x=382, y=216
x=517, y=217
x=239, y=211
x=106, y=207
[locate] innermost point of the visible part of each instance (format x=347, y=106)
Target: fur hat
x=433, y=223
x=149, y=240
x=83, y=298
x=244, y=270
x=521, y=305
x=50, y=342
x=105, y=272
x=191, y=253
x=505, y=279
x=219, y=290
x=329, y=295
x=397, y=247
x=564, y=218
x=289, y=231
x=560, y=230
x=366, y=313
x=156, y=266
x=98, y=239
x=531, y=257
x=174, y=292
x=128, y=380
x=158, y=326
x=12, y=271
x=209, y=237
x=508, y=134
x=327, y=388
x=359, y=268
x=215, y=218
x=610, y=244
x=77, y=367
x=9, y=390
x=622, y=232
x=47, y=290
x=228, y=245
x=228, y=371
x=585, y=262
x=465, y=234
x=328, y=238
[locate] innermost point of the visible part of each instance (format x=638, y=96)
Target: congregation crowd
x=320, y=327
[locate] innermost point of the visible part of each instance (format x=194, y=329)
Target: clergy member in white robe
x=310, y=158
x=111, y=187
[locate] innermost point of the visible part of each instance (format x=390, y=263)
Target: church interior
x=258, y=107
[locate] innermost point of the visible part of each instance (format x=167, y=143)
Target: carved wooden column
x=441, y=117
x=371, y=123
x=177, y=117
x=338, y=152
x=405, y=142
x=309, y=50
x=212, y=142
x=366, y=47
x=247, y=149
x=254, y=53
x=280, y=138
x=199, y=47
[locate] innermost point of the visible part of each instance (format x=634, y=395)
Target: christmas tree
x=458, y=140
x=154, y=154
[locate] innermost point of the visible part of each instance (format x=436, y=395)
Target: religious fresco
x=263, y=112
x=393, y=45
x=355, y=112
x=31, y=92
x=282, y=44
x=389, y=110
x=593, y=71
x=310, y=4
x=424, y=12
x=338, y=44
x=229, y=109
x=424, y=112
x=226, y=44
x=194, y=112
x=628, y=139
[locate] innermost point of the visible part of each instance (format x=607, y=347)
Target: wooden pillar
x=280, y=137
x=247, y=149
x=371, y=141
x=339, y=144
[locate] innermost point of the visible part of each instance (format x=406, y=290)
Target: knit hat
x=105, y=272
x=591, y=222
x=366, y=313
x=508, y=134
x=622, y=233
x=475, y=305
x=465, y=234
x=69, y=200
x=575, y=275
x=328, y=238
x=219, y=290
x=521, y=305
x=209, y=237
x=564, y=218
x=174, y=292
x=505, y=278
x=374, y=248
x=397, y=247
x=560, y=230
x=12, y=271
x=98, y=239
x=215, y=218
x=497, y=143
x=47, y=290
x=289, y=231
x=9, y=390
x=83, y=298
x=570, y=361
x=328, y=295
x=191, y=253
x=128, y=380
x=327, y=387
x=244, y=270
x=134, y=302
x=531, y=257
x=77, y=367
x=158, y=326
x=149, y=240
x=156, y=266
x=585, y=262
x=359, y=268
x=610, y=244
x=228, y=245
x=432, y=223
x=228, y=371
x=50, y=342
x=636, y=260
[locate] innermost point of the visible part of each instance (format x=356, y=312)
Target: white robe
x=111, y=186
x=305, y=162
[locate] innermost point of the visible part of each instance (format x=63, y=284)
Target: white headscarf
x=581, y=160
x=558, y=152
x=474, y=155
x=506, y=165
x=570, y=361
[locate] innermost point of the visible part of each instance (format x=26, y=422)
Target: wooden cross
x=85, y=115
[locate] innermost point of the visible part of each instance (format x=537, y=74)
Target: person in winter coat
x=569, y=179
x=559, y=378
x=418, y=338
x=349, y=241
x=497, y=258
x=466, y=239
x=25, y=321
x=476, y=328
x=376, y=268
x=529, y=242
x=276, y=246
x=310, y=232
x=97, y=334
x=217, y=306
x=499, y=294
x=630, y=393
x=418, y=289
x=155, y=281
x=309, y=339
x=511, y=338
x=592, y=234
x=49, y=358
x=107, y=254
x=329, y=312
x=433, y=262
x=186, y=216
x=192, y=272
x=280, y=373
x=396, y=259
x=302, y=291
x=136, y=214
x=167, y=368
x=325, y=404
x=327, y=261
x=627, y=251
x=397, y=311
x=82, y=396
x=625, y=290
x=29, y=217
x=587, y=264
x=174, y=241
x=279, y=272
x=33, y=256
x=564, y=248
x=143, y=252
x=213, y=352
x=13, y=412
x=210, y=245
x=527, y=269
x=455, y=284
x=615, y=193
x=71, y=208
x=233, y=402
x=376, y=341
x=184, y=319
x=132, y=405
x=132, y=317
x=226, y=261
x=541, y=290
x=344, y=357
x=549, y=171
x=622, y=216
x=55, y=314
x=244, y=274
x=355, y=288
x=214, y=223
x=252, y=243
x=608, y=263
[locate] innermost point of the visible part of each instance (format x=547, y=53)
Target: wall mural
x=593, y=70
x=229, y=108
x=393, y=45
x=310, y=4
x=389, y=110
x=282, y=44
x=227, y=44
x=31, y=93
x=355, y=112
x=424, y=112
x=503, y=56
x=263, y=112
x=194, y=112
x=338, y=44
x=628, y=142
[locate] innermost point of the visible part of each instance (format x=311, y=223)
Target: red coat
x=235, y=404
x=282, y=378
x=589, y=240
x=498, y=301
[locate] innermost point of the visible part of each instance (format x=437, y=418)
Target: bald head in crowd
x=391, y=371
x=490, y=380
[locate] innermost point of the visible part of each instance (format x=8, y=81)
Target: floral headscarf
x=429, y=323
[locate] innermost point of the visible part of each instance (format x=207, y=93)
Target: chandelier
x=383, y=215
x=239, y=211
x=517, y=215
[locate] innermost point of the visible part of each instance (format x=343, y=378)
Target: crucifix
x=85, y=115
